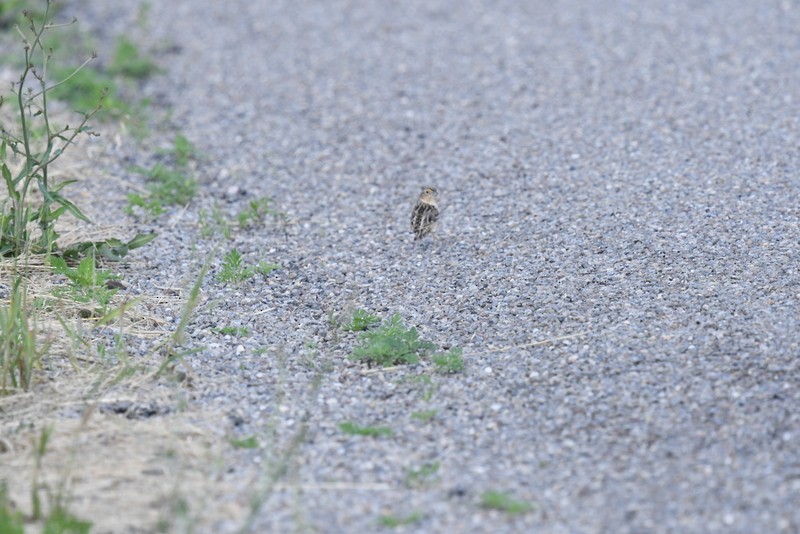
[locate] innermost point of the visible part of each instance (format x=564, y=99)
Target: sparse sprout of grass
x=20, y=350
x=128, y=61
x=11, y=521
x=86, y=87
x=356, y=430
x=392, y=344
x=245, y=443
x=450, y=361
x=152, y=206
x=498, y=500
x=237, y=331
x=422, y=475
x=424, y=415
x=233, y=269
x=170, y=187
x=213, y=222
x=168, y=184
x=88, y=284
x=59, y=519
x=393, y=521
x=362, y=320
x=426, y=384
x=265, y=268
x=183, y=150
x=257, y=210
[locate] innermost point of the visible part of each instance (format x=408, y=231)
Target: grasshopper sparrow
x=425, y=214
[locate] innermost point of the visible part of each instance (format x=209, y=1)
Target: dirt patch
x=128, y=462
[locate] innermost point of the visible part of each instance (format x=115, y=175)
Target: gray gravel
x=625, y=173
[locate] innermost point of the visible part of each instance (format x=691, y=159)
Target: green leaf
x=59, y=186
x=10, y=182
x=141, y=240
x=246, y=443
x=72, y=208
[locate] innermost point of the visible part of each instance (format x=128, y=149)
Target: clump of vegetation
x=256, y=212
x=169, y=183
x=392, y=344
x=423, y=415
x=393, y=521
x=130, y=62
x=362, y=320
x=234, y=269
x=87, y=283
x=237, y=331
x=58, y=518
x=395, y=344
x=497, y=500
x=372, y=431
x=245, y=443
x=30, y=148
x=264, y=268
x=35, y=144
x=424, y=474
x=20, y=350
x=449, y=362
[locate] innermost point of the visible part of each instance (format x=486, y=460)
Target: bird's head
x=428, y=195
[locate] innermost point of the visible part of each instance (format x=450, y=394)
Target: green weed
x=392, y=521
x=392, y=344
x=356, y=430
x=256, y=212
x=35, y=144
x=361, y=321
x=233, y=269
x=236, y=331
x=245, y=443
x=168, y=184
x=424, y=415
x=423, y=475
x=214, y=222
x=129, y=62
x=88, y=284
x=449, y=362
x=264, y=268
x=11, y=522
x=497, y=500
x=59, y=519
x=20, y=351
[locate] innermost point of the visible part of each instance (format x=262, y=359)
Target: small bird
x=425, y=214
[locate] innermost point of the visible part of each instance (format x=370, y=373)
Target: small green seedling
x=418, y=477
x=356, y=430
x=362, y=320
x=393, y=521
x=265, y=268
x=129, y=62
x=449, y=362
x=245, y=443
x=233, y=269
x=424, y=415
x=88, y=284
x=497, y=500
x=168, y=184
x=257, y=210
x=392, y=344
x=237, y=331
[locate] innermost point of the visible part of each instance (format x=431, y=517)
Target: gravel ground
x=624, y=173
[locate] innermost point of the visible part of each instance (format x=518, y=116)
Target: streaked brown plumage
x=425, y=214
